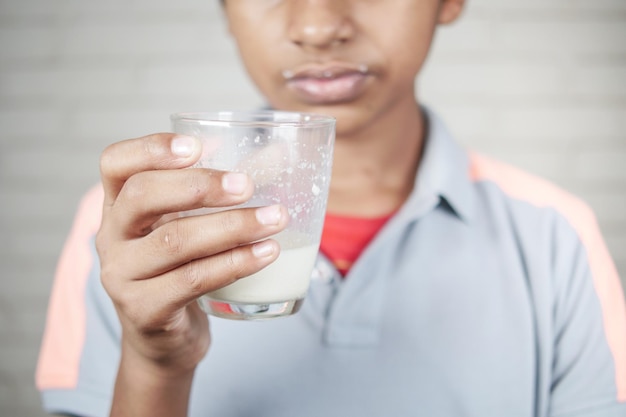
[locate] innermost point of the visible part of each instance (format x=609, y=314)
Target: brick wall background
x=541, y=84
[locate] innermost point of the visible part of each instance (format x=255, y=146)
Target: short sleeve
x=588, y=372
x=80, y=347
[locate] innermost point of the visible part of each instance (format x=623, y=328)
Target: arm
x=155, y=265
x=143, y=388
x=589, y=366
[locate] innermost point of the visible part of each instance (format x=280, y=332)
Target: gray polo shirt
x=490, y=293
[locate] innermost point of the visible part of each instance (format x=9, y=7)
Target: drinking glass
x=289, y=156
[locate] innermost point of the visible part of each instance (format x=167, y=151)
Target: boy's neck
x=374, y=170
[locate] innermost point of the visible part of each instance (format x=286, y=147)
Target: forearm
x=144, y=389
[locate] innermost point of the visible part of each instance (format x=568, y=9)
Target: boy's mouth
x=327, y=84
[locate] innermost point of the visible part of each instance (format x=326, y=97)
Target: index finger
x=122, y=160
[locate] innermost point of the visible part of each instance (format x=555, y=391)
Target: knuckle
x=107, y=160
x=107, y=282
x=109, y=275
x=192, y=279
x=173, y=238
x=231, y=222
x=197, y=186
x=135, y=188
x=111, y=257
x=110, y=280
x=151, y=146
x=132, y=304
x=235, y=264
x=125, y=300
x=101, y=242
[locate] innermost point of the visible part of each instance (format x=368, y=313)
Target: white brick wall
x=541, y=84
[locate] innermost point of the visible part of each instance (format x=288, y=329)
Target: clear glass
x=289, y=157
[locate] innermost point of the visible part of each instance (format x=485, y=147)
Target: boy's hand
x=155, y=265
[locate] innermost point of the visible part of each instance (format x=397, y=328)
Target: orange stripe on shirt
x=63, y=339
x=536, y=191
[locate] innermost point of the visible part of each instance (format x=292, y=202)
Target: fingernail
x=269, y=215
x=183, y=146
x=263, y=249
x=235, y=183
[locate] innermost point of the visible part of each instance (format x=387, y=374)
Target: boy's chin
x=350, y=122
x=352, y=118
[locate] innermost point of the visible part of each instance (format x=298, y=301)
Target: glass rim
x=269, y=118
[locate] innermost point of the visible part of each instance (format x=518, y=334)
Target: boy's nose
x=320, y=24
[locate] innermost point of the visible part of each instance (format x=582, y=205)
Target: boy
x=447, y=285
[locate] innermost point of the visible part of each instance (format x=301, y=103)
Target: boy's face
x=354, y=59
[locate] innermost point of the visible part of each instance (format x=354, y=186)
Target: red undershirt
x=344, y=238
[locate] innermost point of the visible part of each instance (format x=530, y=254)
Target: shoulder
x=539, y=197
x=519, y=185
x=542, y=210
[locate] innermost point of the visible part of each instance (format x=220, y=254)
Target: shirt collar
x=443, y=174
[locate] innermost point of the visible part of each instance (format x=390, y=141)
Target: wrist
x=148, y=388
x=156, y=368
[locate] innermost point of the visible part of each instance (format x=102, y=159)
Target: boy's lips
x=327, y=84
